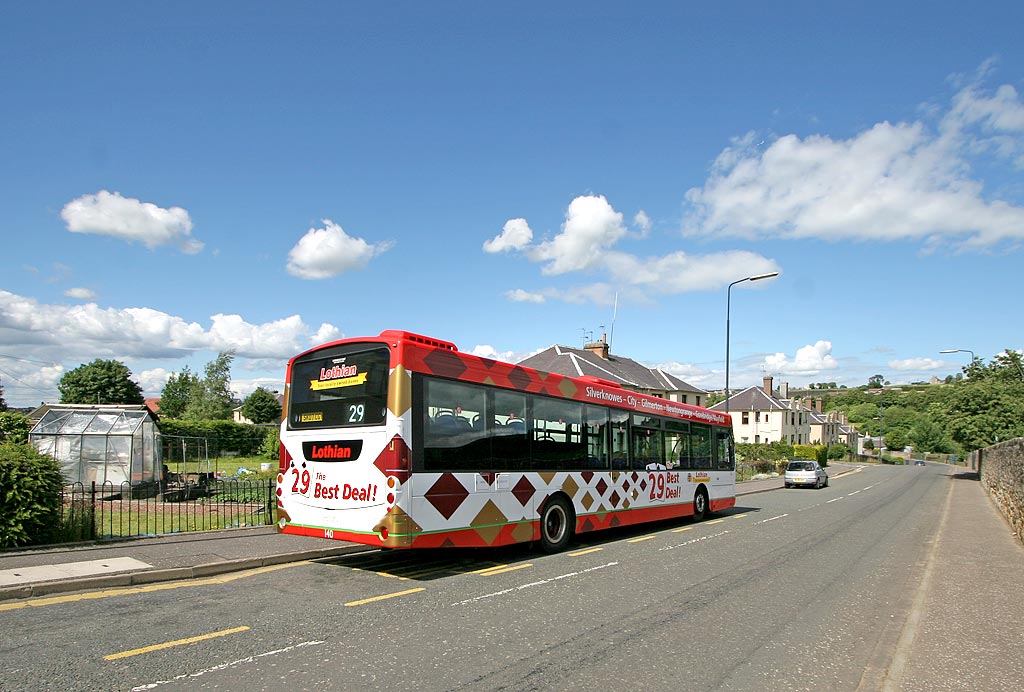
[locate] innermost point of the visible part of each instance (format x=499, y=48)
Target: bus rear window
x=344, y=386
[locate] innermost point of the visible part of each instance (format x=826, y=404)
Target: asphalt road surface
x=795, y=589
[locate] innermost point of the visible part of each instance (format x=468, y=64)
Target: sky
x=183, y=179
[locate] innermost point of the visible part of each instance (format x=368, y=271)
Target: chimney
x=768, y=385
x=817, y=404
x=783, y=390
x=599, y=347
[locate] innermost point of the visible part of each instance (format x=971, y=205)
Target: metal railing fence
x=107, y=510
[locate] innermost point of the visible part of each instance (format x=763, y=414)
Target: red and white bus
x=401, y=441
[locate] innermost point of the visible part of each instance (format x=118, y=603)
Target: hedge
x=222, y=435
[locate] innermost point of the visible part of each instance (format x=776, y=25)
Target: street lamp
x=728, y=307
x=960, y=350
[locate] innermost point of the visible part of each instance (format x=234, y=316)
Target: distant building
x=596, y=360
x=236, y=412
x=760, y=416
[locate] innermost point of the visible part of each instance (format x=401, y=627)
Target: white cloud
x=591, y=227
x=515, y=235
x=80, y=293
x=679, y=272
x=586, y=244
x=685, y=371
x=518, y=295
x=809, y=360
x=108, y=213
x=89, y=331
x=327, y=332
x=153, y=380
x=891, y=182
x=642, y=221
x=488, y=351
x=244, y=387
x=917, y=364
x=329, y=251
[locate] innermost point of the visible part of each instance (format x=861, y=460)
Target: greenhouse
x=103, y=443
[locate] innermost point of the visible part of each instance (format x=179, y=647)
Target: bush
x=30, y=496
x=271, y=448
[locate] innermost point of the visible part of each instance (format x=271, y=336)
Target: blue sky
x=179, y=179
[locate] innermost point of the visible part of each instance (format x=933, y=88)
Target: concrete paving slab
x=70, y=570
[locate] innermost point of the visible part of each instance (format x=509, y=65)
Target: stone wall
x=1002, y=475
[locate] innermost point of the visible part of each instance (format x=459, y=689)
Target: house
x=596, y=360
x=825, y=427
x=762, y=416
x=236, y=412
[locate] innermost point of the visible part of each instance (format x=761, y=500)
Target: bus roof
x=442, y=358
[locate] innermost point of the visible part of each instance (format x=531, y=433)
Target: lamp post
x=728, y=307
x=959, y=350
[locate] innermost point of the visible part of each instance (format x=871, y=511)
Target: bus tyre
x=700, y=504
x=556, y=522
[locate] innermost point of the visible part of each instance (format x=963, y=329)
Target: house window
x=746, y=418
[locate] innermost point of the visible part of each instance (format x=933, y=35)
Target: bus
x=403, y=441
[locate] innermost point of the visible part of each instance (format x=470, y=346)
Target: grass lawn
x=228, y=467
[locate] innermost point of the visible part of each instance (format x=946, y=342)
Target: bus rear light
x=284, y=458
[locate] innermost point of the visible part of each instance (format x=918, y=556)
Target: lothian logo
x=338, y=371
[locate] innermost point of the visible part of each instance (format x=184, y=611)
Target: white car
x=805, y=473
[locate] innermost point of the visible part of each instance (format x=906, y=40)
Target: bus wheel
x=700, y=504
x=556, y=521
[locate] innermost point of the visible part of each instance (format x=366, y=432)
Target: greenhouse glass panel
x=77, y=423
x=101, y=424
x=52, y=422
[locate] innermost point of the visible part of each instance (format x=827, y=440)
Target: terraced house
x=596, y=360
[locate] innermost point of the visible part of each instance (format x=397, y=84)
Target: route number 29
x=657, y=481
x=301, y=484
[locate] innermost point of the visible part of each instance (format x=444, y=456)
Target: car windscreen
x=800, y=466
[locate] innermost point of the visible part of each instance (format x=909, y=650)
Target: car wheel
x=555, y=525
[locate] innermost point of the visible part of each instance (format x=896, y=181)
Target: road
x=796, y=589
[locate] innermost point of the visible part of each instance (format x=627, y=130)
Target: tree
x=211, y=397
x=927, y=436
x=875, y=381
x=100, y=382
x=3, y=404
x=261, y=407
x=895, y=440
x=14, y=427
x=177, y=393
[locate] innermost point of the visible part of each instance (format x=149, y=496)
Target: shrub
x=30, y=496
x=271, y=448
x=14, y=427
